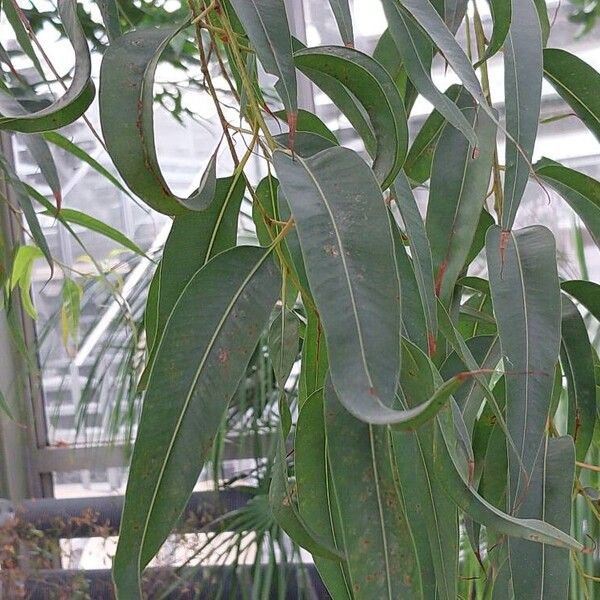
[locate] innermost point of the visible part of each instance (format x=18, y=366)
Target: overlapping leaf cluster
x=430, y=402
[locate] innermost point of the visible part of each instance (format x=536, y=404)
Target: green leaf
x=70, y=311
x=266, y=24
x=421, y=254
x=526, y=297
x=77, y=217
x=43, y=157
x=110, y=17
x=283, y=343
x=577, y=83
x=577, y=358
x=586, y=293
x=523, y=90
x=415, y=49
x=126, y=114
x=542, y=10
x=62, y=142
x=343, y=18
x=201, y=356
x=459, y=186
x=283, y=503
x=449, y=472
x=347, y=247
x=316, y=500
x=581, y=192
x=314, y=363
x=5, y=407
x=74, y=102
x=373, y=87
x=375, y=534
x=21, y=273
x=432, y=514
x=543, y=571
x=420, y=156
x=454, y=13
x=195, y=238
x=501, y=16
x=309, y=122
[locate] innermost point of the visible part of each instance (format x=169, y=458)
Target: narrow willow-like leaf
x=431, y=513
x=285, y=511
x=74, y=102
x=195, y=237
x=414, y=325
x=454, y=13
x=433, y=25
x=523, y=90
x=580, y=191
x=65, y=144
x=577, y=83
x=459, y=186
x=200, y=357
x=577, y=358
x=283, y=343
x=41, y=154
x=420, y=156
x=126, y=114
x=542, y=10
x=540, y=572
x=526, y=297
x=84, y=220
x=343, y=18
x=110, y=17
x=266, y=24
x=415, y=49
x=585, y=292
x=316, y=500
x=314, y=357
x=347, y=247
x=375, y=534
x=373, y=87
x=421, y=254
x=449, y=471
x=501, y=16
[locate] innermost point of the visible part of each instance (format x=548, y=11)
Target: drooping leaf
x=420, y=156
x=454, y=13
x=265, y=22
x=282, y=499
x=416, y=52
x=126, y=114
x=421, y=254
x=22, y=270
x=316, y=500
x=501, y=16
x=68, y=146
x=580, y=191
x=523, y=90
x=343, y=18
x=373, y=87
x=70, y=311
x=458, y=189
x=577, y=83
x=201, y=355
x=194, y=239
x=41, y=154
x=431, y=513
x=283, y=342
x=585, y=292
x=375, y=534
x=542, y=10
x=543, y=571
x=577, y=360
x=74, y=102
x=449, y=472
x=347, y=247
x=110, y=17
x=526, y=297
x=82, y=219
x=314, y=357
